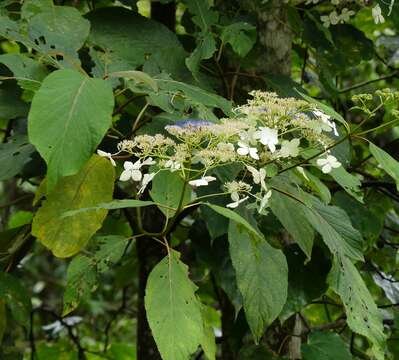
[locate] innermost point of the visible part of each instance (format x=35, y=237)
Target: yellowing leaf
x=65, y=236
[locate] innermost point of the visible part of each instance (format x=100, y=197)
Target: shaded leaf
x=325, y=346
x=387, y=162
x=204, y=50
x=241, y=36
x=262, y=277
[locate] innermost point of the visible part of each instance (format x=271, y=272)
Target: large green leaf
x=262, y=277
x=128, y=38
x=14, y=154
x=171, y=191
x=69, y=116
x=241, y=36
x=173, y=311
x=59, y=30
x=336, y=229
x=28, y=72
x=363, y=316
x=65, y=236
x=387, y=162
x=291, y=214
x=204, y=50
x=203, y=16
x=325, y=346
x=16, y=298
x=350, y=183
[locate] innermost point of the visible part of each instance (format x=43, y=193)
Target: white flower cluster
x=266, y=130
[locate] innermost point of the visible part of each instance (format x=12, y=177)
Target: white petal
x=253, y=152
x=137, y=165
x=209, y=178
x=234, y=196
x=326, y=168
x=126, y=175
x=103, y=153
x=128, y=165
x=233, y=205
x=242, y=151
x=148, y=161
x=136, y=175
x=198, y=182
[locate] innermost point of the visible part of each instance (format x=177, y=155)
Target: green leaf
x=291, y=213
x=173, y=311
x=316, y=185
x=241, y=36
x=33, y=7
x=3, y=320
x=208, y=343
x=28, y=72
x=65, y=236
x=171, y=191
x=194, y=94
x=62, y=124
x=81, y=281
x=59, y=30
x=112, y=205
x=14, y=154
x=203, y=16
x=16, y=298
x=325, y=346
x=11, y=105
x=262, y=277
x=138, y=76
x=232, y=215
x=363, y=316
x=350, y=183
x=204, y=50
x=110, y=251
x=128, y=38
x=387, y=162
x=336, y=229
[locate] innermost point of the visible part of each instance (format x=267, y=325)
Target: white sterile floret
x=147, y=178
x=132, y=171
x=258, y=176
x=327, y=164
x=290, y=148
x=235, y=204
x=326, y=120
x=265, y=201
x=204, y=181
x=106, y=155
x=172, y=165
x=244, y=149
x=377, y=14
x=269, y=137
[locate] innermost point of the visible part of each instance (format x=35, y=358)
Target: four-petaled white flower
x=377, y=14
x=264, y=201
x=258, y=176
x=244, y=149
x=202, y=182
x=106, y=155
x=147, y=178
x=269, y=137
x=326, y=120
x=132, y=171
x=236, y=200
x=290, y=148
x=327, y=164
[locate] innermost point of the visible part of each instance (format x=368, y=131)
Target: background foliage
x=314, y=278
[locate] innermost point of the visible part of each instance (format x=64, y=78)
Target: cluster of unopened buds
x=268, y=130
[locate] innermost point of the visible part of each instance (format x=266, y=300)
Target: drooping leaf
x=363, y=316
x=171, y=191
x=336, y=229
x=16, y=298
x=110, y=250
x=173, y=311
x=204, y=50
x=262, y=277
x=325, y=346
x=14, y=154
x=387, y=162
x=69, y=116
x=28, y=72
x=81, y=280
x=241, y=36
x=292, y=215
x=350, y=183
x=65, y=236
